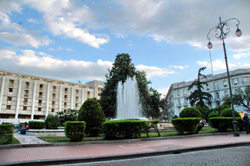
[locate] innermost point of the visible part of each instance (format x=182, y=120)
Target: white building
x=26, y=97
x=217, y=87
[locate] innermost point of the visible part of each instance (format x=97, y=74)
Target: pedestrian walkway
x=116, y=149
x=27, y=139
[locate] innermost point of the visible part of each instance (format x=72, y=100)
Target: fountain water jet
x=128, y=103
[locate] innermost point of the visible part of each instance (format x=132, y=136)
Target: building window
x=76, y=105
x=8, y=107
x=54, y=88
x=11, y=83
x=178, y=93
x=9, y=100
x=40, y=102
x=217, y=96
x=65, y=97
x=208, y=87
x=10, y=91
x=27, y=85
x=225, y=83
x=66, y=90
x=26, y=93
x=77, y=91
x=185, y=92
x=53, y=103
x=52, y=110
x=25, y=102
x=53, y=96
x=235, y=81
x=77, y=98
x=39, y=109
x=245, y=80
x=65, y=104
x=41, y=87
x=216, y=85
x=25, y=108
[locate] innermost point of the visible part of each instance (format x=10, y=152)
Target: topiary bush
x=229, y=113
x=190, y=112
x=120, y=129
x=36, y=124
x=175, y=116
x=52, y=122
x=213, y=114
x=91, y=112
x=188, y=125
x=6, y=133
x=222, y=124
x=74, y=130
x=204, y=111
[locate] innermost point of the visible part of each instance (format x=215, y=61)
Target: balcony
x=25, y=103
x=10, y=93
x=26, y=95
x=178, y=105
x=11, y=86
x=8, y=102
x=26, y=87
x=40, y=96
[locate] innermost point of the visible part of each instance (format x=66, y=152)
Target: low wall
x=165, y=126
x=45, y=132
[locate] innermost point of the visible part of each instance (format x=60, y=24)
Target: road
x=228, y=156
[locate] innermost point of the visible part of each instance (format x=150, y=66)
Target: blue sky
x=79, y=40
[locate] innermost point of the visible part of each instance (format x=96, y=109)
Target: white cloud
x=31, y=63
x=163, y=91
x=154, y=71
x=219, y=64
x=179, y=67
x=33, y=21
x=240, y=55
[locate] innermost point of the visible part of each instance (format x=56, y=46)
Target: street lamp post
x=222, y=35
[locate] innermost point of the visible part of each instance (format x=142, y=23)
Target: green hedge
x=228, y=112
x=36, y=124
x=52, y=122
x=6, y=133
x=222, y=124
x=74, y=130
x=190, y=112
x=121, y=129
x=188, y=125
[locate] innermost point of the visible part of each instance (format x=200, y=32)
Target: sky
x=78, y=40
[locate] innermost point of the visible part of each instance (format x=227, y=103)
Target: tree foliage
x=198, y=96
x=122, y=69
x=91, y=112
x=240, y=98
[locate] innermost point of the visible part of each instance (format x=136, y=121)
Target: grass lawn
x=55, y=139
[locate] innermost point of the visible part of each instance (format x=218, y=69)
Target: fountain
x=128, y=103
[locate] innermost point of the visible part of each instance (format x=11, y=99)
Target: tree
x=69, y=115
x=122, y=69
x=153, y=109
x=91, y=112
x=167, y=113
x=240, y=98
x=198, y=96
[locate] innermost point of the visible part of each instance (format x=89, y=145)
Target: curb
x=107, y=141
x=123, y=156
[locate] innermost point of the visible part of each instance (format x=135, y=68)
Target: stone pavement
x=62, y=153
x=26, y=139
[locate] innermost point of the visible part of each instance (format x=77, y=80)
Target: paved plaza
x=34, y=153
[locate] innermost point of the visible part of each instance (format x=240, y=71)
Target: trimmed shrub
x=52, y=122
x=213, y=114
x=229, y=113
x=204, y=111
x=74, y=130
x=121, y=129
x=91, y=112
x=36, y=124
x=220, y=108
x=190, y=112
x=188, y=125
x=175, y=116
x=222, y=124
x=6, y=133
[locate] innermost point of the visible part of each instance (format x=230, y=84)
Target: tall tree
x=198, y=96
x=122, y=69
x=240, y=98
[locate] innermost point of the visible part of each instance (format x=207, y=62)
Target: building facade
x=26, y=97
x=217, y=87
